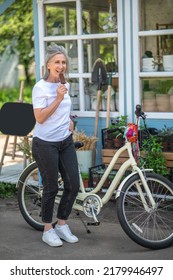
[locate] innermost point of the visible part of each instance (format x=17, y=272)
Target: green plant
x=85, y=176
x=165, y=132
x=7, y=190
x=119, y=122
x=165, y=136
x=149, y=54
x=152, y=156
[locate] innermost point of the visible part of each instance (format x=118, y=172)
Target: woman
x=53, y=147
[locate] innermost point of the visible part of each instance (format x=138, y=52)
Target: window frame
x=79, y=37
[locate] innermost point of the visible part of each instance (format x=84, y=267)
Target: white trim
x=55, y=1
x=128, y=52
x=79, y=17
x=36, y=39
x=80, y=55
x=120, y=57
x=157, y=115
x=92, y=114
x=81, y=36
x=156, y=32
x=155, y=74
x=87, y=75
x=41, y=35
x=136, y=52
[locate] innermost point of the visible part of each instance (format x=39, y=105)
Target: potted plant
x=118, y=136
x=149, y=63
x=165, y=135
x=25, y=146
x=85, y=153
x=85, y=178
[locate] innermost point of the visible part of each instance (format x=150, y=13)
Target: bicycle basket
x=132, y=132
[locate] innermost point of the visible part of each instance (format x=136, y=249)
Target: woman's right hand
x=61, y=90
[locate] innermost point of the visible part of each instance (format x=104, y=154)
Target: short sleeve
x=39, y=99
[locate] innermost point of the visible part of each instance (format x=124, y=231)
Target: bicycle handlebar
x=139, y=113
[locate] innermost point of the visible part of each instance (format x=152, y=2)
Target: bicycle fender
x=126, y=179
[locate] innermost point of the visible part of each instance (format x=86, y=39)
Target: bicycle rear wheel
x=29, y=197
x=152, y=229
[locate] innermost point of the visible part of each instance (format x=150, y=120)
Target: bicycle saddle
x=78, y=144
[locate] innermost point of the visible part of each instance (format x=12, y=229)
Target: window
x=156, y=55
x=88, y=30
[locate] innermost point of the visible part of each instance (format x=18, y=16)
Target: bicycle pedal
x=93, y=224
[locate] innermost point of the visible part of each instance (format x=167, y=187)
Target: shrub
x=7, y=190
x=152, y=156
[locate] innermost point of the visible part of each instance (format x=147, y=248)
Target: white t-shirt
x=56, y=127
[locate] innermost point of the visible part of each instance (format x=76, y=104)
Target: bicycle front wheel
x=150, y=228
x=29, y=196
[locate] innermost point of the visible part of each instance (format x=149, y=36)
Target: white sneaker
x=65, y=233
x=50, y=237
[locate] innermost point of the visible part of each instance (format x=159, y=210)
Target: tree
x=17, y=26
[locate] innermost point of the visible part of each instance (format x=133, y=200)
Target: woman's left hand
x=71, y=127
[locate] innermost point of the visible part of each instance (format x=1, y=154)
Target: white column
x=136, y=54
x=128, y=71
x=41, y=35
x=121, y=57
x=80, y=54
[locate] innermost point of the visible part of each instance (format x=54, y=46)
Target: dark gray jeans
x=52, y=157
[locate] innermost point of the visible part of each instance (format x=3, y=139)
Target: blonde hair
x=52, y=50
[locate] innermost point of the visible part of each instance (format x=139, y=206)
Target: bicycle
x=144, y=199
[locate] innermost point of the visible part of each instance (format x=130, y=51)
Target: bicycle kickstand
x=85, y=226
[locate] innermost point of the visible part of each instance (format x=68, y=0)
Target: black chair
x=16, y=119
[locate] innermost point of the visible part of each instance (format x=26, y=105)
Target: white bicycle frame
x=114, y=186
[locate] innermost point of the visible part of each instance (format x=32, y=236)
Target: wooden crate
x=107, y=155
x=169, y=159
